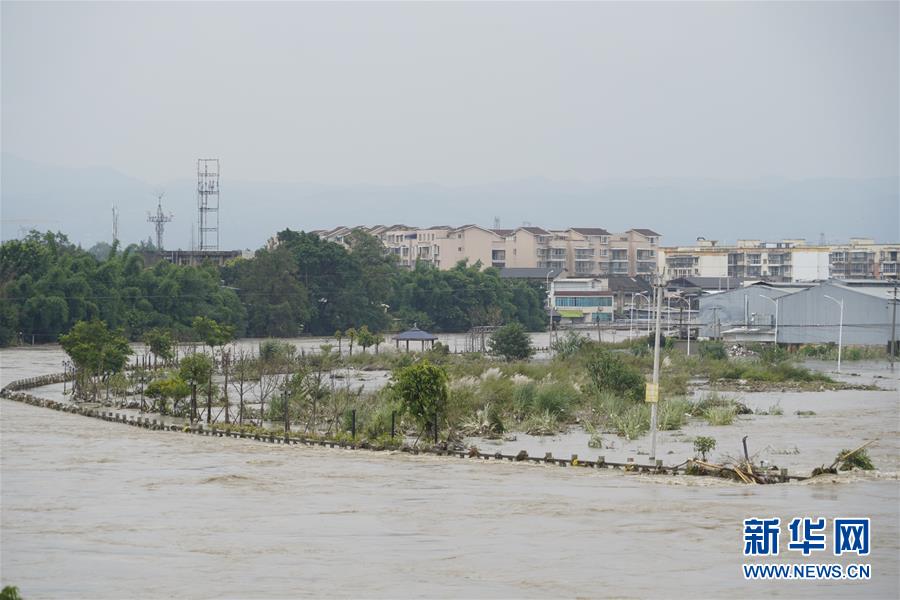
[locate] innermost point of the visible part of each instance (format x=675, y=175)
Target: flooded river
x=92, y=509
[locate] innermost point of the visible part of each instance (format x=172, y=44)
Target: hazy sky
x=454, y=93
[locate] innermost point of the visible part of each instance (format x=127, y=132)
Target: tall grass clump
x=634, y=422
x=673, y=413
x=720, y=415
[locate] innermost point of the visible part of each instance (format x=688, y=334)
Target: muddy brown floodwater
x=92, y=509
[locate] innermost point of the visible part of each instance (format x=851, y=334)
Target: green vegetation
x=511, y=342
x=608, y=372
x=97, y=353
x=704, y=445
x=848, y=460
x=10, y=592
x=848, y=353
x=720, y=415
x=47, y=285
x=161, y=344
x=303, y=285
x=423, y=393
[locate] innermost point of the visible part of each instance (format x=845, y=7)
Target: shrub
x=569, y=345
x=511, y=342
x=423, y=392
x=848, y=460
x=555, y=398
x=704, y=445
x=609, y=372
x=713, y=350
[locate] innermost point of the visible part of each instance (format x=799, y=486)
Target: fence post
x=353, y=422
x=393, y=422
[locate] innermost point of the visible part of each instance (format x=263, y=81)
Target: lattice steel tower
x=159, y=221
x=208, y=203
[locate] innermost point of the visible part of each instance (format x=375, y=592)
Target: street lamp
x=647, y=298
x=549, y=311
x=688, y=302
x=775, y=302
x=840, y=327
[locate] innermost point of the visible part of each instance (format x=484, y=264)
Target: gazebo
x=414, y=335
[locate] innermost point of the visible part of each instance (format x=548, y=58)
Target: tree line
x=302, y=285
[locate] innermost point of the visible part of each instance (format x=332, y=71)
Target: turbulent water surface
x=98, y=510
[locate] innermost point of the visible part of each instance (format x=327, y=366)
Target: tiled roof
x=536, y=230
x=590, y=230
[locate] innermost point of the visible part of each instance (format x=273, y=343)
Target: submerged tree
x=423, y=392
x=96, y=351
x=161, y=344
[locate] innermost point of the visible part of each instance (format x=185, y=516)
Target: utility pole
x=655, y=400
x=893, y=327
x=549, y=312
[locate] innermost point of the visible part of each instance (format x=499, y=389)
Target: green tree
x=351, y=337
x=365, y=338
x=196, y=368
x=172, y=388
x=95, y=350
x=511, y=342
x=211, y=332
x=423, y=392
x=161, y=344
x=10, y=592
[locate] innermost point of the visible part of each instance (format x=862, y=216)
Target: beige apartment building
x=573, y=252
x=862, y=258
x=785, y=261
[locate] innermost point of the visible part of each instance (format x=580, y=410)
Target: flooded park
x=95, y=509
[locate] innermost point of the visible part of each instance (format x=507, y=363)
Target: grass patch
x=720, y=415
x=633, y=423
x=673, y=413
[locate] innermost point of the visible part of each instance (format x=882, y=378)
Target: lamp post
x=840, y=327
x=549, y=311
x=688, y=303
x=631, y=318
x=775, y=302
x=647, y=298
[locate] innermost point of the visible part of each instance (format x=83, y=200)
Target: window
x=583, y=301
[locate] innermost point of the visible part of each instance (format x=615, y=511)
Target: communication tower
x=159, y=221
x=115, y=223
x=208, y=203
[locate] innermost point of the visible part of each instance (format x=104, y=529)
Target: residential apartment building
x=784, y=261
x=862, y=258
x=574, y=252
x=582, y=300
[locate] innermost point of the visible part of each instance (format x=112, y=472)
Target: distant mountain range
x=78, y=201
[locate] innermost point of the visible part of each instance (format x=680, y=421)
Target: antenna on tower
x=159, y=221
x=208, y=203
x=115, y=223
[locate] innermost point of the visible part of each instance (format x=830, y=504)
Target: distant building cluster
x=575, y=252
x=579, y=252
x=782, y=262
